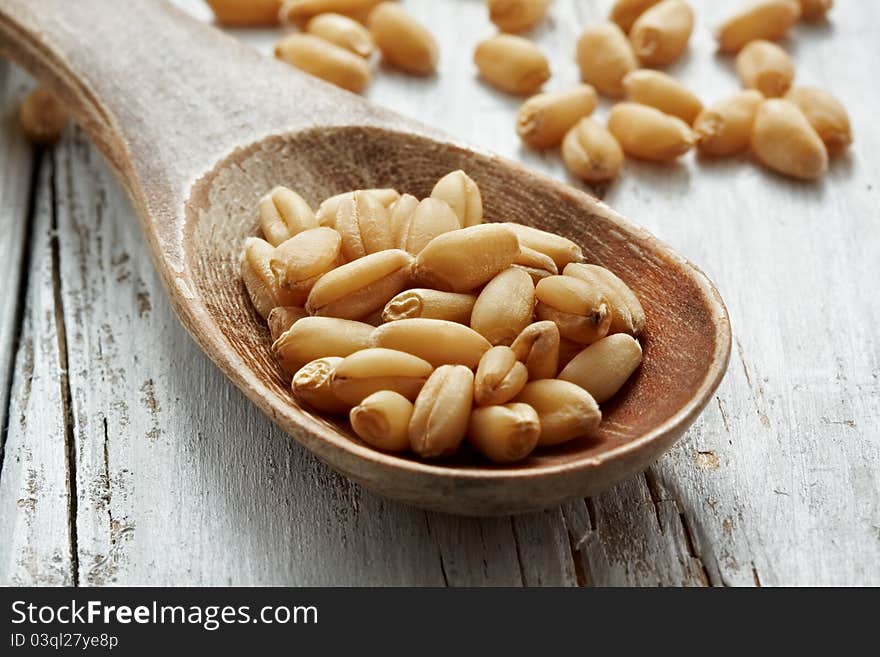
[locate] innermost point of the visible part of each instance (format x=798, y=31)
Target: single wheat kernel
x=311, y=385
x=783, y=140
x=436, y=340
x=538, y=347
x=726, y=127
x=517, y=15
x=356, y=289
x=591, y=152
x=504, y=434
x=661, y=34
x=283, y=213
x=764, y=66
x=326, y=214
x=430, y=304
x=813, y=10
x=300, y=261
x=500, y=377
x=371, y=370
x=442, y=410
x=602, y=368
x=259, y=279
x=324, y=60
x=414, y=227
x=577, y=328
x=647, y=133
x=504, y=307
x=565, y=410
x=364, y=224
x=580, y=311
x=464, y=259
x=403, y=41
x=42, y=117
x=627, y=314
x=282, y=318
x=345, y=32
x=826, y=114
x=382, y=420
x=298, y=12
x=532, y=262
x=512, y=64
x=605, y=56
x=311, y=338
x=561, y=249
x=664, y=92
x=544, y=119
x=401, y=212
x=246, y=12
x=764, y=19
x=625, y=12
x=462, y=195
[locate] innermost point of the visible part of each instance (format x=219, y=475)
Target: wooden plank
x=38, y=546
x=15, y=188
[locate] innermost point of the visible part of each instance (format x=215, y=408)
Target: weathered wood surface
x=178, y=480
x=15, y=187
x=38, y=546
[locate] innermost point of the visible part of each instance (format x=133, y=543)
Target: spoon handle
x=163, y=95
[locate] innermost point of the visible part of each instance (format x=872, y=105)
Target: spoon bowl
x=197, y=153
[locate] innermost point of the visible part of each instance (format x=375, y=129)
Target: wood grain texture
x=15, y=191
x=777, y=483
x=38, y=547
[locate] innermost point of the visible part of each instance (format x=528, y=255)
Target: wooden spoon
x=199, y=126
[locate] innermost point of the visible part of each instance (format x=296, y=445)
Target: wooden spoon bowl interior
x=686, y=340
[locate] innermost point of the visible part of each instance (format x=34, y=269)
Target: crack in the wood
x=742, y=360
x=756, y=577
x=107, y=479
x=439, y=549
x=846, y=423
x=656, y=497
x=21, y=296
x=655, y=491
x=757, y=393
x=582, y=573
x=692, y=550
x=591, y=513
x=723, y=414
x=580, y=567
x=485, y=552
x=519, y=561
x=64, y=380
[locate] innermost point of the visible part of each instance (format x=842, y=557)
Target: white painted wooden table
x=128, y=459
